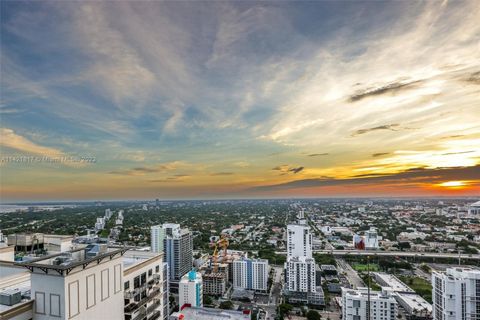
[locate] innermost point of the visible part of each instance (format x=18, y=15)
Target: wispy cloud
x=416, y=175
x=391, y=127
x=391, y=88
x=379, y=154
x=318, y=154
x=222, y=174
x=12, y=140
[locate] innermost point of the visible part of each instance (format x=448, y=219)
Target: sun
x=453, y=184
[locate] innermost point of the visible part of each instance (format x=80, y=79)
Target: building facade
x=250, y=274
x=177, y=245
x=144, y=285
x=299, y=241
x=95, y=282
x=300, y=274
x=190, y=290
x=456, y=294
x=383, y=305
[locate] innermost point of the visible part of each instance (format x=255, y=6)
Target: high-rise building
x=177, y=245
x=456, y=294
x=144, y=285
x=300, y=274
x=250, y=274
x=190, y=290
x=383, y=305
x=300, y=269
x=157, y=236
x=299, y=241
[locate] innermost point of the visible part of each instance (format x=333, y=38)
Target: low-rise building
x=383, y=305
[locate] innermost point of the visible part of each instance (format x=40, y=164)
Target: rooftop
x=194, y=313
x=65, y=262
x=392, y=282
x=415, y=301
x=16, y=281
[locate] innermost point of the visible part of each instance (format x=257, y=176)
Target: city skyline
x=180, y=100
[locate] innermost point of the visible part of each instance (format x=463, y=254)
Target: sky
x=197, y=100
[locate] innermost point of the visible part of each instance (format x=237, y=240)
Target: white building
x=144, y=285
x=108, y=214
x=250, y=274
x=383, y=305
x=157, y=235
x=371, y=239
x=96, y=282
x=474, y=208
x=300, y=274
x=299, y=241
x=456, y=294
x=190, y=290
x=78, y=284
x=100, y=224
x=300, y=281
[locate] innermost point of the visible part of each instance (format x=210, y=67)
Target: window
x=136, y=282
x=126, y=285
x=157, y=269
x=150, y=272
x=143, y=278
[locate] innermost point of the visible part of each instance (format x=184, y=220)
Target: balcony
x=154, y=316
x=133, y=306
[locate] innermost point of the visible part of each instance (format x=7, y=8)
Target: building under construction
x=215, y=284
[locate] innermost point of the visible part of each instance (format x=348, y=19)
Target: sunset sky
x=239, y=99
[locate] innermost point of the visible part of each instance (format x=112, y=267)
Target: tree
x=284, y=309
x=226, y=305
x=313, y=315
x=207, y=300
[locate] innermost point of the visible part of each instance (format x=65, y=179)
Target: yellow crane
x=220, y=243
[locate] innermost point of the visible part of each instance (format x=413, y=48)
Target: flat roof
x=194, y=313
x=133, y=258
x=73, y=258
x=393, y=282
x=415, y=301
x=16, y=282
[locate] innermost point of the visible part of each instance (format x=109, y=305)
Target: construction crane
x=220, y=243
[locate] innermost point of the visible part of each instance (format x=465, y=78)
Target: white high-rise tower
x=299, y=241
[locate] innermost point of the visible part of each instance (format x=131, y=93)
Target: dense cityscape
x=241, y=259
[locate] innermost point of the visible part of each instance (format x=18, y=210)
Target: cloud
x=317, y=154
x=379, y=154
x=391, y=127
x=162, y=167
x=417, y=175
x=285, y=169
x=222, y=174
x=15, y=141
x=391, y=88
x=296, y=170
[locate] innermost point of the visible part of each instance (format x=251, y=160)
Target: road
x=394, y=254
x=351, y=274
x=275, y=293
